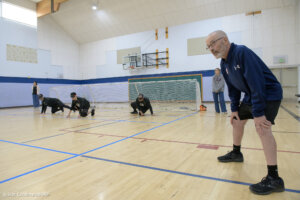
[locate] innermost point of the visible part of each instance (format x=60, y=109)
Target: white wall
x=64, y=50
x=298, y=51
x=58, y=54
x=93, y=54
x=271, y=33
x=298, y=31
x=23, y=3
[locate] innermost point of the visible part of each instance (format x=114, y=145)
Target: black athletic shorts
x=271, y=110
x=83, y=112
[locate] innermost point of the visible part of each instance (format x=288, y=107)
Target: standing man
x=35, y=95
x=245, y=72
x=218, y=84
x=56, y=104
x=142, y=104
x=82, y=105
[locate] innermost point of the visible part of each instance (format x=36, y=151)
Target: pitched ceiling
x=121, y=17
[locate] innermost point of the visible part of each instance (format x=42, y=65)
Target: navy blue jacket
x=245, y=72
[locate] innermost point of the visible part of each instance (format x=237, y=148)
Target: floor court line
x=68, y=131
x=291, y=113
x=115, y=120
x=32, y=171
x=85, y=124
x=287, y=132
x=199, y=145
x=76, y=155
x=128, y=164
x=181, y=173
x=124, y=120
x=43, y=138
x=36, y=147
x=89, y=124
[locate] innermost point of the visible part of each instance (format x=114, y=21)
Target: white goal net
x=176, y=95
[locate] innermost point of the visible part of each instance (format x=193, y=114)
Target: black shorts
x=271, y=110
x=83, y=112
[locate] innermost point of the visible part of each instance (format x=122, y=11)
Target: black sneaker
x=134, y=112
x=268, y=185
x=93, y=112
x=231, y=157
x=62, y=110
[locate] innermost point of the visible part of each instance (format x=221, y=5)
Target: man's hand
x=234, y=116
x=68, y=116
x=262, y=122
x=141, y=113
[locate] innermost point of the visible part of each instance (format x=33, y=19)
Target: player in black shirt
x=82, y=105
x=56, y=104
x=142, y=104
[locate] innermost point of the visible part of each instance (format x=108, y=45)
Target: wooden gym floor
x=116, y=155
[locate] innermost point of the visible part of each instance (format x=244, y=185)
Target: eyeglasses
x=213, y=43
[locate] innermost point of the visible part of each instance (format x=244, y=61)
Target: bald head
x=218, y=34
x=217, y=42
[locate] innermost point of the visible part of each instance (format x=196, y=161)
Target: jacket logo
x=237, y=67
x=226, y=70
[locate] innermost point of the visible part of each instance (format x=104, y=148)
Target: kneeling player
x=142, y=104
x=56, y=104
x=82, y=105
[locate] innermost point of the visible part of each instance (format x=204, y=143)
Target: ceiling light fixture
x=95, y=5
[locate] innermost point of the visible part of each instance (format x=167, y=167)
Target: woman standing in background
x=35, y=93
x=218, y=91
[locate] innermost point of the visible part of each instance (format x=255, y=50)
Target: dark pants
x=134, y=106
x=219, y=98
x=58, y=107
x=35, y=99
x=55, y=109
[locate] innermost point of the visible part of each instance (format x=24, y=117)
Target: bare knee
x=263, y=132
x=239, y=123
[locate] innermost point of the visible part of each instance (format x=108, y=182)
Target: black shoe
x=62, y=110
x=134, y=112
x=268, y=185
x=93, y=112
x=231, y=157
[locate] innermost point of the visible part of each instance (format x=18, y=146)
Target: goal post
x=170, y=95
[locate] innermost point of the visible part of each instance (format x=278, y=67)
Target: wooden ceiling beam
x=253, y=13
x=44, y=7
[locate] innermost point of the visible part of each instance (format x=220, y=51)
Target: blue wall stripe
x=4, y=79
